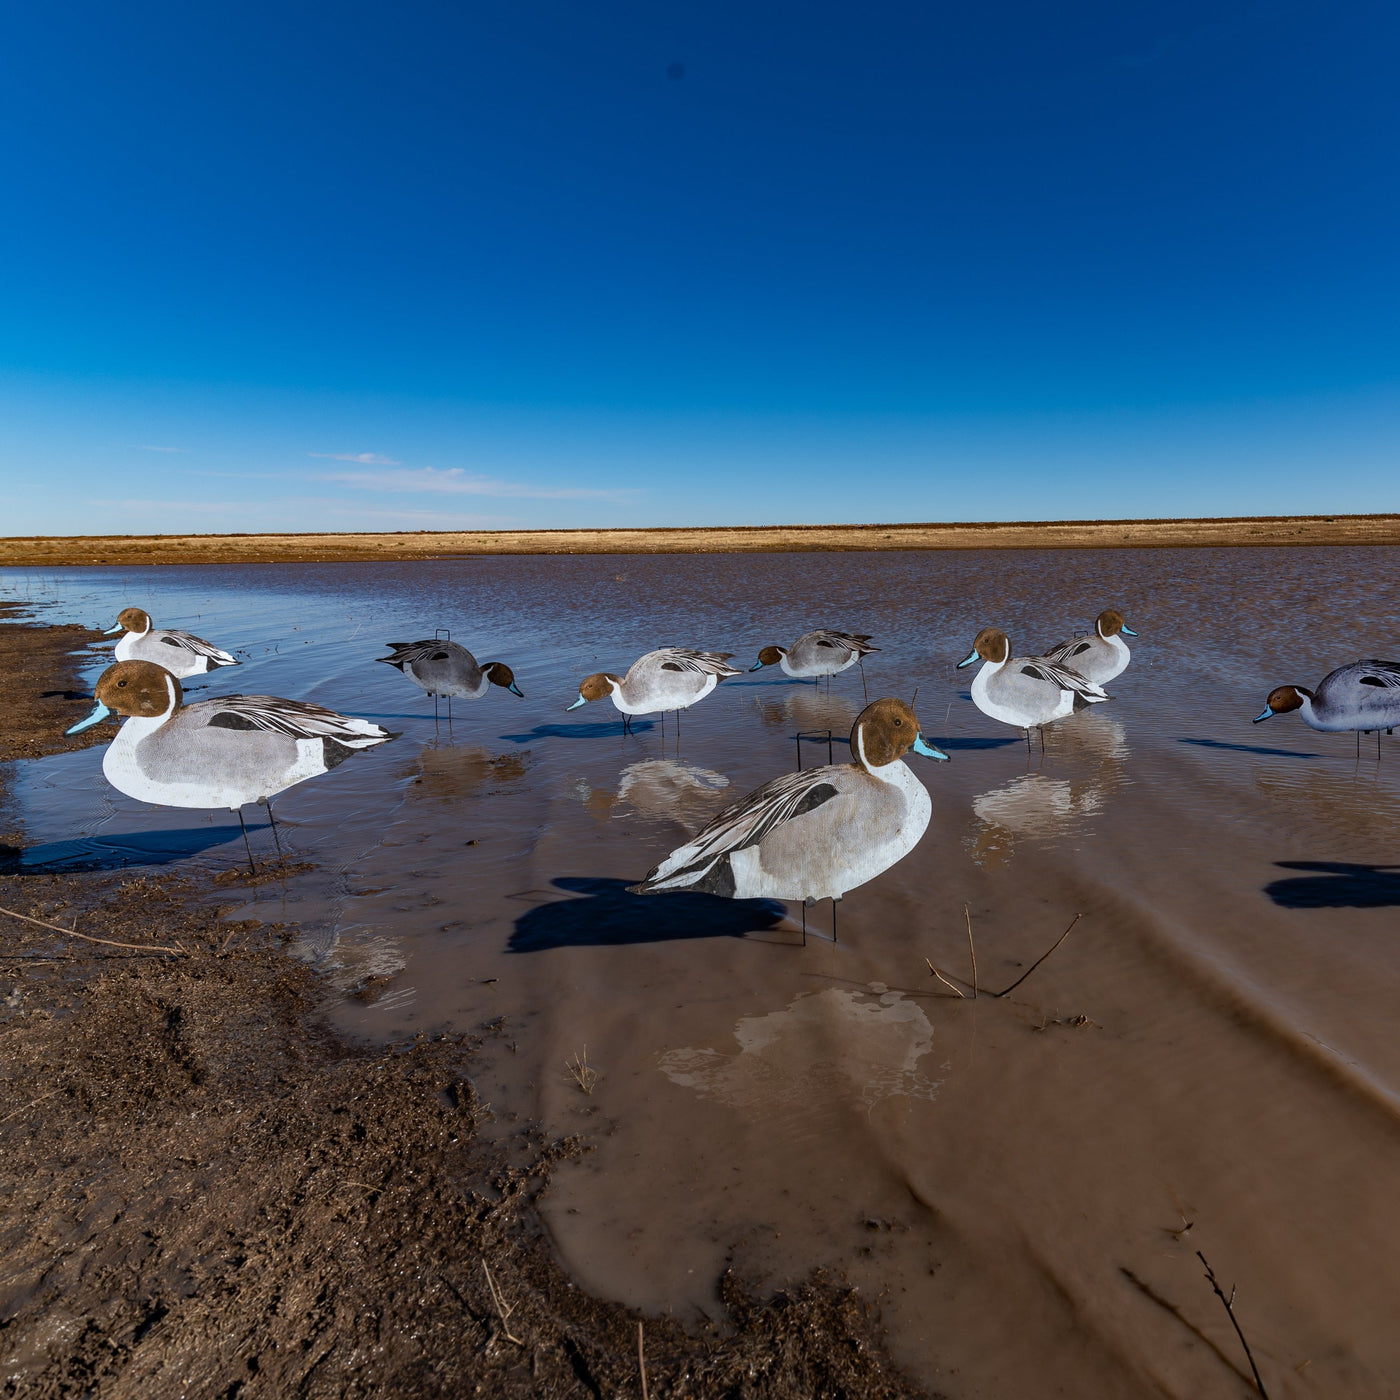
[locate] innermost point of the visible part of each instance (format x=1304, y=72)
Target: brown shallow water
x=1211, y=1047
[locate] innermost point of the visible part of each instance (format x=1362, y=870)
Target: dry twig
x=642, y=1361
x=584, y=1075
x=942, y=978
x=1234, y=1322
x=1038, y=961
x=501, y=1306
x=973, y=951
x=88, y=938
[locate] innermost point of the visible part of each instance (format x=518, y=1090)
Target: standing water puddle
x=1211, y=1047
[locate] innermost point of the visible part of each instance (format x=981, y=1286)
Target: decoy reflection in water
x=1027, y=691
x=216, y=753
x=816, y=833
x=1100, y=656
x=817, y=654
x=668, y=680
x=445, y=668
x=1359, y=698
x=180, y=653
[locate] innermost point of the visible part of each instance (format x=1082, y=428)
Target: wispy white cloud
x=164, y=507
x=368, y=459
x=454, y=481
x=151, y=447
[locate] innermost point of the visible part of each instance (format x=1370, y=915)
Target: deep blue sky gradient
x=653, y=263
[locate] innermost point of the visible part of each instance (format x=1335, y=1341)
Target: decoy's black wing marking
x=297, y=718
x=1383, y=673
x=845, y=641
x=706, y=663
x=1062, y=651
x=409, y=653
x=743, y=825
x=186, y=642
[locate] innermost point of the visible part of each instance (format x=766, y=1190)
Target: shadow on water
x=599, y=730
x=1249, y=748
x=118, y=852
x=607, y=914
x=1336, y=885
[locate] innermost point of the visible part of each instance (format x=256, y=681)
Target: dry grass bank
x=340, y=548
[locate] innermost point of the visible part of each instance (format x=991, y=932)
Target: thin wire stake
x=252, y=869
x=277, y=840
x=1230, y=1308
x=1040, y=959
x=860, y=661
x=972, y=950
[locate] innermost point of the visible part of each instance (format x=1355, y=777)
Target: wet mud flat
x=206, y=1191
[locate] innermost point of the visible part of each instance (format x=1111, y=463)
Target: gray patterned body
x=1029, y=691
x=670, y=678
x=440, y=668
x=825, y=653
x=231, y=751
x=1364, y=695
x=180, y=653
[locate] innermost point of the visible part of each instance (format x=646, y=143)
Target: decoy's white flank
x=1361, y=697
x=1101, y=656
x=1027, y=691
x=666, y=680
x=815, y=654
x=215, y=753
x=816, y=833
x=179, y=653
x=444, y=667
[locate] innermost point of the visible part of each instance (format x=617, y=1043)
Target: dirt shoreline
x=43, y=551
x=204, y=1191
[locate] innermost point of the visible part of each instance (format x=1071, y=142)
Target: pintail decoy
x=666, y=681
x=180, y=653
x=1361, y=697
x=1101, y=656
x=1027, y=691
x=816, y=833
x=816, y=654
x=225, y=752
x=444, y=667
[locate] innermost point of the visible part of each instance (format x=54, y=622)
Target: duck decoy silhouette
x=1027, y=691
x=816, y=833
x=216, y=753
x=1360, y=697
x=443, y=667
x=1098, y=657
x=816, y=654
x=667, y=680
x=180, y=653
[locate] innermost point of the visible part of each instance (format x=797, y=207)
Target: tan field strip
x=775, y=539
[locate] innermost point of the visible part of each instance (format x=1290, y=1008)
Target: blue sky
x=439, y=265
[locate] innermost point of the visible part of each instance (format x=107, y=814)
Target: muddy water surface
x=1209, y=1061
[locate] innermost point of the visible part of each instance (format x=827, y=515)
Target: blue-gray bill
x=582, y=700
x=922, y=746
x=1127, y=631
x=99, y=713
x=967, y=660
x=516, y=690
x=116, y=627
x=1268, y=713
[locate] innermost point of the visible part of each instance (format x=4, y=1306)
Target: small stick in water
x=942, y=978
x=1040, y=959
x=1230, y=1308
x=972, y=950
